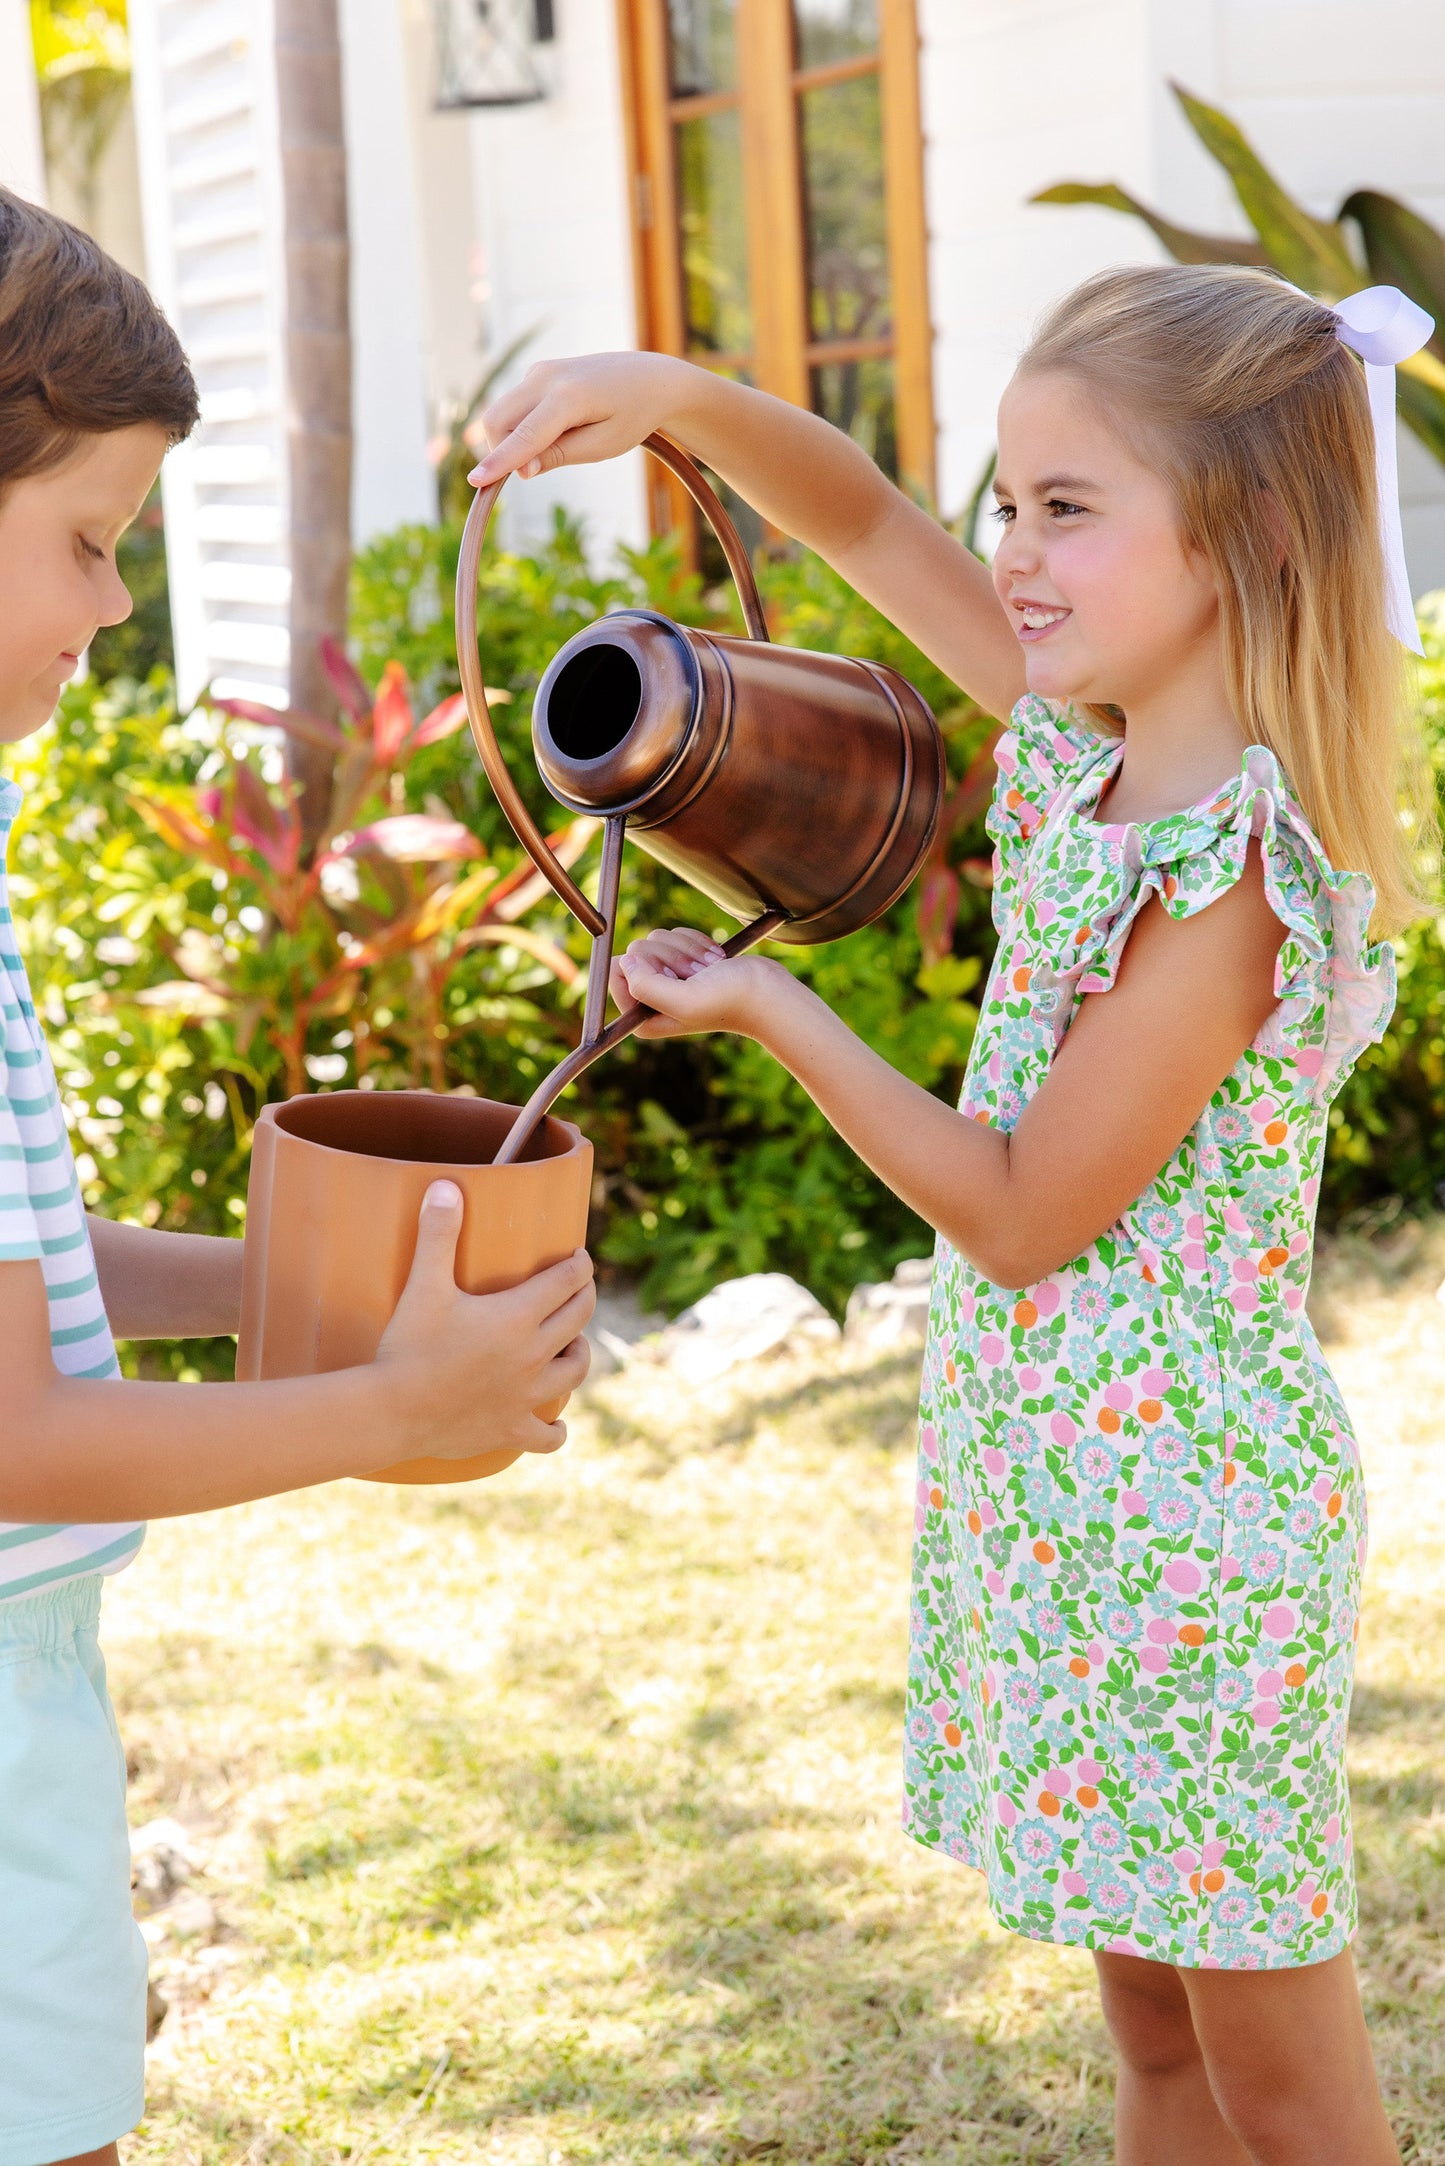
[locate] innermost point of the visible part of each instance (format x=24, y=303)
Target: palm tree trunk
x=318, y=363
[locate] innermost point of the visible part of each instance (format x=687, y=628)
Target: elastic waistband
x=35, y=1623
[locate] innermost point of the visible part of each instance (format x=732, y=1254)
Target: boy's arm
x=805, y=477
x=456, y=1374
x=166, y=1285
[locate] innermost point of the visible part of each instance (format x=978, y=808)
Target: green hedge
x=710, y=1160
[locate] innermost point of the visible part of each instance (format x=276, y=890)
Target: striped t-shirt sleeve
x=42, y=1219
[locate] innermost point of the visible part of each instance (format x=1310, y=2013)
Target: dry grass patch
x=557, y=1819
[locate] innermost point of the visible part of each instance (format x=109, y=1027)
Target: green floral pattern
x=1140, y=1519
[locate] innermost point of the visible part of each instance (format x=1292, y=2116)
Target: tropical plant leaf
x=414, y=838
x=391, y=717
x=1183, y=244
x=1310, y=253
x=1402, y=249
x=347, y=681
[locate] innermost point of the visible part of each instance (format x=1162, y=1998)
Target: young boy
x=93, y=389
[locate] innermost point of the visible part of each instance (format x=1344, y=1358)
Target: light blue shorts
x=72, y=1961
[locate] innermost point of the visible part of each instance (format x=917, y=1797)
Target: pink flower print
x=994, y=1583
x=1057, y=1781
x=1095, y=1653
x=1119, y=1395
x=1113, y=1897
x=1186, y=1862
x=1073, y=1884
x=1236, y=1221
x=1063, y=1430
x=1266, y=1714
x=1193, y=1257
x=1047, y=1297
x=994, y=1461
x=1245, y=1270
x=1155, y=1660
x=1091, y=1771
x=1030, y=1379
x=1279, y=1621
x=1161, y=1631
x=1181, y=1575
x=1266, y=1564
x=1194, y=1226
x=1230, y=1127
x=1156, y=1382
x=1212, y=1855
x=1332, y=1828
x=928, y=1438
x=1322, y=1489
x=1159, y=1877
x=967, y=1307
x=991, y=1350
x=1134, y=1502
x=1245, y=1300
x=1007, y=1811
x=1020, y=1439
x=942, y=1711
x=987, y=1513
x=1306, y=1891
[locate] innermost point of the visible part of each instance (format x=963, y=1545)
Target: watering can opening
x=594, y=699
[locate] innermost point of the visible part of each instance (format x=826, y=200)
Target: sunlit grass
x=557, y=1819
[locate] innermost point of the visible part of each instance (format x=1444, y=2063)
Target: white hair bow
x=1384, y=327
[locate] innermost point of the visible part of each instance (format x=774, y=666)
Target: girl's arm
x=166, y=1285
x=1136, y=1069
x=805, y=477
x=455, y=1374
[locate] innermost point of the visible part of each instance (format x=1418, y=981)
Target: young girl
x=93, y=386
x=1140, y=1521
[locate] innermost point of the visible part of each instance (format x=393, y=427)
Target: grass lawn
x=557, y=1818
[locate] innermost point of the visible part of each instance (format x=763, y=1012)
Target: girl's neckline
x=1212, y=801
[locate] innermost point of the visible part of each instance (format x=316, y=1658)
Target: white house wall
x=1018, y=94
x=392, y=482
x=552, y=210
x=22, y=159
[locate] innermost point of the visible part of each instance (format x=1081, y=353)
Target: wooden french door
x=778, y=204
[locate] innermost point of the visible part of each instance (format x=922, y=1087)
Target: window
x=777, y=157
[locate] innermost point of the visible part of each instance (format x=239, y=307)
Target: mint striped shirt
x=42, y=1216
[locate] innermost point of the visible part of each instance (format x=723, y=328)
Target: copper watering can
x=799, y=791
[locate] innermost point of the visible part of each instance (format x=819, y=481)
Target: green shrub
x=710, y=1160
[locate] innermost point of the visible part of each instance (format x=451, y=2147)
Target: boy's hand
x=569, y=413
x=467, y=1372
x=694, y=986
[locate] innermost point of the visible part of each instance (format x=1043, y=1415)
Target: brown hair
x=83, y=347
x=1235, y=388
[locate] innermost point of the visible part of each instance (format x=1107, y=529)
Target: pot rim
x=272, y=1111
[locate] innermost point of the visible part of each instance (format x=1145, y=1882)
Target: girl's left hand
x=693, y=986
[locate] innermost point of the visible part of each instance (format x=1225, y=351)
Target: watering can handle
x=469, y=659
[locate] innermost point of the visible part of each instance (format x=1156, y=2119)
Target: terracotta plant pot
x=336, y=1185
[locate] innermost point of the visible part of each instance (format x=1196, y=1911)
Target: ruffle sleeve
x=1044, y=752
x=1336, y=989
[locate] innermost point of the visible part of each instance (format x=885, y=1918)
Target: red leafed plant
x=370, y=922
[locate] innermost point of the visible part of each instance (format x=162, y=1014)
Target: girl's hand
x=694, y=986
x=570, y=413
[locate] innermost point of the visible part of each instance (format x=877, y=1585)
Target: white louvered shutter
x=205, y=105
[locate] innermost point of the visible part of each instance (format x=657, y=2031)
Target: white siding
x=22, y=160
x=206, y=124
x=552, y=208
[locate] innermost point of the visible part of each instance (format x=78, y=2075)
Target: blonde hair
x=1236, y=390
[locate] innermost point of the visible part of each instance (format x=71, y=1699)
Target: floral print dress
x=1140, y=1519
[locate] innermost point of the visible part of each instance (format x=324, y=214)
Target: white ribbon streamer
x=1384, y=327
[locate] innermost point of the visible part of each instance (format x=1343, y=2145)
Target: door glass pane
x=847, y=234
x=857, y=397
x=702, y=42
x=834, y=30
x=713, y=236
